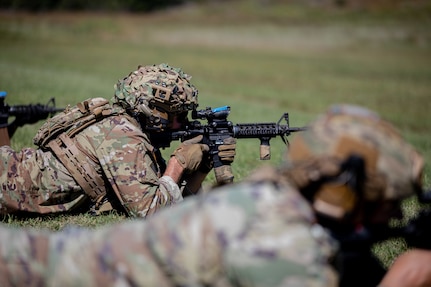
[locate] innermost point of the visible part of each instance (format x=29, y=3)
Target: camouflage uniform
x=262, y=232
x=251, y=234
x=114, y=147
x=34, y=180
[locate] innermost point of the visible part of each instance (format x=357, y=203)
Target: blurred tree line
x=92, y=5
x=152, y=5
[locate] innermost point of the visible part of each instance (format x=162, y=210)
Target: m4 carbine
x=218, y=128
x=23, y=114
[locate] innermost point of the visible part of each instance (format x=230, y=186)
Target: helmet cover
x=156, y=91
x=347, y=129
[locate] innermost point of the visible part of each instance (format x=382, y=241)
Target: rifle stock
x=23, y=114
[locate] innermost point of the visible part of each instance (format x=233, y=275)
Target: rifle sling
x=79, y=166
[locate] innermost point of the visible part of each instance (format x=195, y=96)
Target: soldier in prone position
x=98, y=155
x=293, y=225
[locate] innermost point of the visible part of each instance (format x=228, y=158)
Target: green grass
x=262, y=61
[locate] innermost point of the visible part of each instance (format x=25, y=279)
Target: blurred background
x=261, y=57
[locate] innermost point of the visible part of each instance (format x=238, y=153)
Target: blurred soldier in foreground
x=97, y=155
x=295, y=225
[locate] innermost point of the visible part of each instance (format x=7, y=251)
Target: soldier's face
x=178, y=121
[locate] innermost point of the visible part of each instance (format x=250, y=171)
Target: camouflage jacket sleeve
x=243, y=236
x=130, y=166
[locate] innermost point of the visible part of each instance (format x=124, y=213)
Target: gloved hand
x=190, y=154
x=226, y=153
x=227, y=150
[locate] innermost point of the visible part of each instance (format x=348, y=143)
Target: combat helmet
x=332, y=145
x=156, y=92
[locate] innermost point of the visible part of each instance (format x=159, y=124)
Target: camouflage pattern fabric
x=249, y=234
x=393, y=166
x=115, y=148
x=136, y=91
x=34, y=180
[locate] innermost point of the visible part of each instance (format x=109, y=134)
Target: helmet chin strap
x=157, y=121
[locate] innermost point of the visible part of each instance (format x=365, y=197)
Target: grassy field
x=260, y=60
